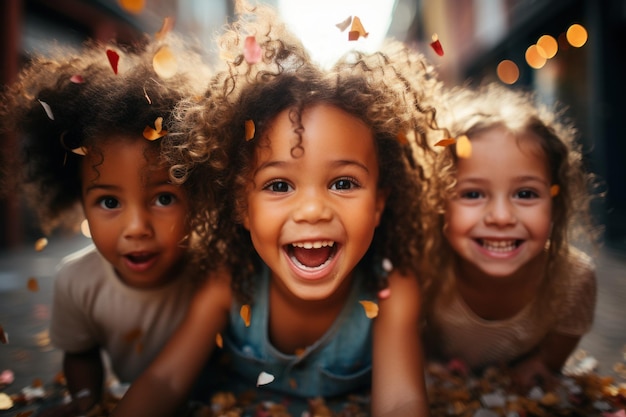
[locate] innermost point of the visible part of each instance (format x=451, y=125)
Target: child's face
x=312, y=217
x=499, y=220
x=137, y=218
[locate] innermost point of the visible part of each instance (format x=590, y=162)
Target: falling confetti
x=114, y=58
x=245, y=314
x=164, y=63
x=446, y=142
x=357, y=30
x=250, y=129
x=436, y=45
x=342, y=26
x=166, y=27
x=251, y=50
x=77, y=79
x=371, y=308
x=384, y=293
x=6, y=402
x=463, y=147
x=40, y=244
x=554, y=190
x=47, y=109
x=264, y=378
x=156, y=133
x=32, y=285
x=132, y=6
x=219, y=341
x=387, y=265
x=402, y=138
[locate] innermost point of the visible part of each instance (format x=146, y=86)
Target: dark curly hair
x=391, y=91
x=87, y=103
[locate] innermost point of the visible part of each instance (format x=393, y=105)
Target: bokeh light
x=84, y=228
x=576, y=35
x=547, y=46
x=533, y=58
x=508, y=72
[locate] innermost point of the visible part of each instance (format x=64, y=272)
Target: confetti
x=114, y=58
x=219, y=341
x=245, y=314
x=7, y=377
x=164, y=63
x=77, y=79
x=32, y=285
x=251, y=50
x=371, y=308
x=264, y=378
x=40, y=244
x=402, y=138
x=554, y=190
x=132, y=6
x=387, y=265
x=250, y=129
x=384, y=293
x=300, y=352
x=436, y=45
x=47, y=109
x=463, y=147
x=357, y=30
x=446, y=142
x=6, y=402
x=153, y=134
x=342, y=26
x=166, y=27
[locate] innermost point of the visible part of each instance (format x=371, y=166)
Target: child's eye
x=470, y=195
x=344, y=184
x=278, y=186
x=526, y=194
x=165, y=199
x=109, y=203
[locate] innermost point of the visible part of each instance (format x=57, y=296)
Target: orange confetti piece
x=77, y=79
x=357, y=30
x=40, y=244
x=251, y=50
x=436, y=45
x=342, y=26
x=4, y=337
x=132, y=335
x=402, y=138
x=132, y=6
x=32, y=285
x=114, y=59
x=47, y=109
x=166, y=27
x=300, y=351
x=59, y=378
x=463, y=147
x=370, y=307
x=164, y=63
x=554, y=190
x=219, y=341
x=250, y=130
x=446, y=142
x=153, y=134
x=245, y=314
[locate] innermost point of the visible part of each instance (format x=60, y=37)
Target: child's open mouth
x=311, y=256
x=140, y=258
x=499, y=245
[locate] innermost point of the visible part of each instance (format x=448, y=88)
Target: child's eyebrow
x=104, y=187
x=338, y=163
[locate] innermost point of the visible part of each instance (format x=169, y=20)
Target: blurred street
x=25, y=312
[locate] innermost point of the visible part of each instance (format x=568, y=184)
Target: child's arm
x=84, y=374
x=168, y=381
x=398, y=386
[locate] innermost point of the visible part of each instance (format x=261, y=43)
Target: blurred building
x=476, y=36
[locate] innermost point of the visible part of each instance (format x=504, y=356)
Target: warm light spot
x=533, y=58
x=84, y=228
x=576, y=35
x=508, y=72
x=547, y=46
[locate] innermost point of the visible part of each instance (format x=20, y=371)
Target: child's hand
x=532, y=372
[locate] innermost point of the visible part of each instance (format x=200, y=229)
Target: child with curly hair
x=511, y=287
x=318, y=189
x=91, y=124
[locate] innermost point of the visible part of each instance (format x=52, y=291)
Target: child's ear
x=381, y=200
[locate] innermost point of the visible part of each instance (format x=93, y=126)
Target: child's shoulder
x=577, y=272
x=83, y=262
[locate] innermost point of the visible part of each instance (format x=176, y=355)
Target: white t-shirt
x=92, y=307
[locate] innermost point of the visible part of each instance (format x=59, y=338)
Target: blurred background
x=570, y=51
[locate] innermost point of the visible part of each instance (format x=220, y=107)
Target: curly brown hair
x=471, y=111
x=391, y=90
x=71, y=98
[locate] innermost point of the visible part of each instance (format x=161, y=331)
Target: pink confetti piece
x=77, y=79
x=114, y=58
x=252, y=50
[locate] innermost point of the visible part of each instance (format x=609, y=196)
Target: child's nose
x=137, y=223
x=312, y=206
x=500, y=212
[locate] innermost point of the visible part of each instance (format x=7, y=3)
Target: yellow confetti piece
x=250, y=130
x=342, y=26
x=370, y=307
x=153, y=134
x=132, y=6
x=554, y=190
x=357, y=30
x=166, y=27
x=445, y=142
x=6, y=402
x=463, y=147
x=32, y=285
x=40, y=244
x=245, y=314
x=164, y=63
x=219, y=341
